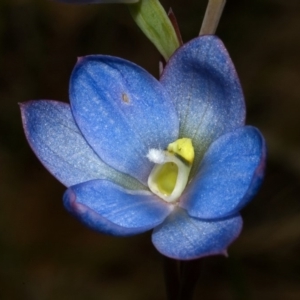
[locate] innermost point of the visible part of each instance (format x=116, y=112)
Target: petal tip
x=79, y=59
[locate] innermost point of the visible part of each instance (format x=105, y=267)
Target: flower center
x=170, y=173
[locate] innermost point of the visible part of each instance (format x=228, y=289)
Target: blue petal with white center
x=182, y=237
x=229, y=175
x=99, y=146
x=56, y=140
x=111, y=209
x=122, y=111
x=206, y=92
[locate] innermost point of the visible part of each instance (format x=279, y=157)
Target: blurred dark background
x=45, y=253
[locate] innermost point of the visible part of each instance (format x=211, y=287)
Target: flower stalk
x=152, y=19
x=212, y=16
x=181, y=277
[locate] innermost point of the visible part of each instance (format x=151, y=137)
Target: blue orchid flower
x=136, y=154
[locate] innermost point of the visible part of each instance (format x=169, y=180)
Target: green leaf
x=151, y=17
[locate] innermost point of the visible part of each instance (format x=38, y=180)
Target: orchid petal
x=56, y=140
x=111, y=209
x=229, y=175
x=205, y=88
x=182, y=237
x=122, y=111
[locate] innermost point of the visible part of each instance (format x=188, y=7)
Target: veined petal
x=183, y=237
x=96, y=1
x=229, y=175
x=56, y=140
x=122, y=111
x=205, y=88
x=109, y=208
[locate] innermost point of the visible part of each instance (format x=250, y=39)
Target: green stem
x=152, y=19
x=181, y=278
x=212, y=16
x=171, y=278
x=189, y=276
